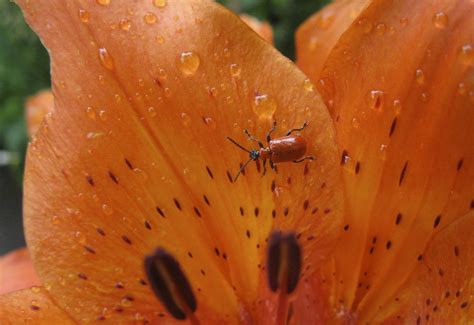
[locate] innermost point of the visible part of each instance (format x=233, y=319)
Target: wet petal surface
x=135, y=156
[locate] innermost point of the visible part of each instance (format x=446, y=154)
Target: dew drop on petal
x=397, y=106
x=106, y=59
x=107, y=209
x=376, y=99
x=420, y=76
x=308, y=85
x=103, y=2
x=55, y=220
x=467, y=54
x=90, y=113
x=365, y=24
x=380, y=29
x=80, y=237
x=152, y=111
x=189, y=63
x=103, y=115
x=125, y=24
x=185, y=119
x=35, y=289
x=264, y=106
x=235, y=70
x=440, y=20
x=462, y=89
x=209, y=121
x=159, y=3
x=150, y=18
x=84, y=15
x=325, y=20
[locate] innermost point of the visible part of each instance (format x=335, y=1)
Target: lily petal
x=441, y=286
x=262, y=28
x=318, y=35
x=16, y=271
x=135, y=156
x=32, y=306
x=37, y=107
x=403, y=104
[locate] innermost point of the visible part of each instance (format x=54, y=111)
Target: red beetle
x=282, y=149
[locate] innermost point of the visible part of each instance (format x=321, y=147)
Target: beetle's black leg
x=303, y=159
x=305, y=124
x=273, y=166
x=251, y=137
x=264, y=167
x=271, y=130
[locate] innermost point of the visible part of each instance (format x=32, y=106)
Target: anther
x=171, y=285
x=283, y=269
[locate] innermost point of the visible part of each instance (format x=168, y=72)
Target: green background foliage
x=24, y=70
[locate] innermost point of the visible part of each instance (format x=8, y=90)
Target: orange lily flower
x=111, y=174
x=16, y=271
x=399, y=83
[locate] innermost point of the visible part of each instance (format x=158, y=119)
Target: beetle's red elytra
x=288, y=148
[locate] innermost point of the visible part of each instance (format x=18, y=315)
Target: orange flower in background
x=36, y=107
x=135, y=157
x=16, y=271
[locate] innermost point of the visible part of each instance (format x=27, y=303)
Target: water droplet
x=210, y=122
x=376, y=98
x=424, y=97
x=440, y=20
x=55, y=220
x=185, y=119
x=420, y=76
x=159, y=3
x=462, y=89
x=125, y=24
x=152, y=111
x=107, y=209
x=106, y=59
x=84, y=15
x=141, y=173
x=380, y=29
x=324, y=20
x=397, y=106
x=188, y=63
x=160, y=39
x=365, y=24
x=150, y=18
x=264, y=106
x=355, y=123
x=35, y=289
x=235, y=70
x=467, y=54
x=103, y=2
x=162, y=74
x=90, y=113
x=308, y=85
x=80, y=237
x=103, y=115
x=126, y=302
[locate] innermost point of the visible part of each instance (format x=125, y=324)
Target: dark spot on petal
x=197, y=212
x=420, y=257
x=398, y=219
x=392, y=128
x=229, y=177
x=437, y=221
x=274, y=213
x=305, y=205
x=34, y=307
x=286, y=210
x=119, y=285
x=100, y=231
x=178, y=205
x=306, y=169
x=402, y=174
x=248, y=234
x=206, y=200
x=241, y=211
x=127, y=240
x=147, y=225
x=374, y=240
x=460, y=163
x=160, y=212
x=90, y=180
x=216, y=250
x=346, y=227
x=256, y=212
x=371, y=250
x=464, y=304
x=388, y=245
x=142, y=282
x=82, y=276
x=113, y=177
x=128, y=163
x=273, y=186
x=357, y=167
x=89, y=249
x=209, y=171
x=326, y=211
x=456, y=251
x=314, y=210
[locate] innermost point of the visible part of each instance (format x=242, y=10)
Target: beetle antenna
x=242, y=169
x=238, y=145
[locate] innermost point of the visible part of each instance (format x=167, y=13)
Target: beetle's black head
x=254, y=154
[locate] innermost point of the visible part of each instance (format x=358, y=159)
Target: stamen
x=284, y=269
x=171, y=285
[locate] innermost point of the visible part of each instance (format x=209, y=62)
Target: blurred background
x=24, y=70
